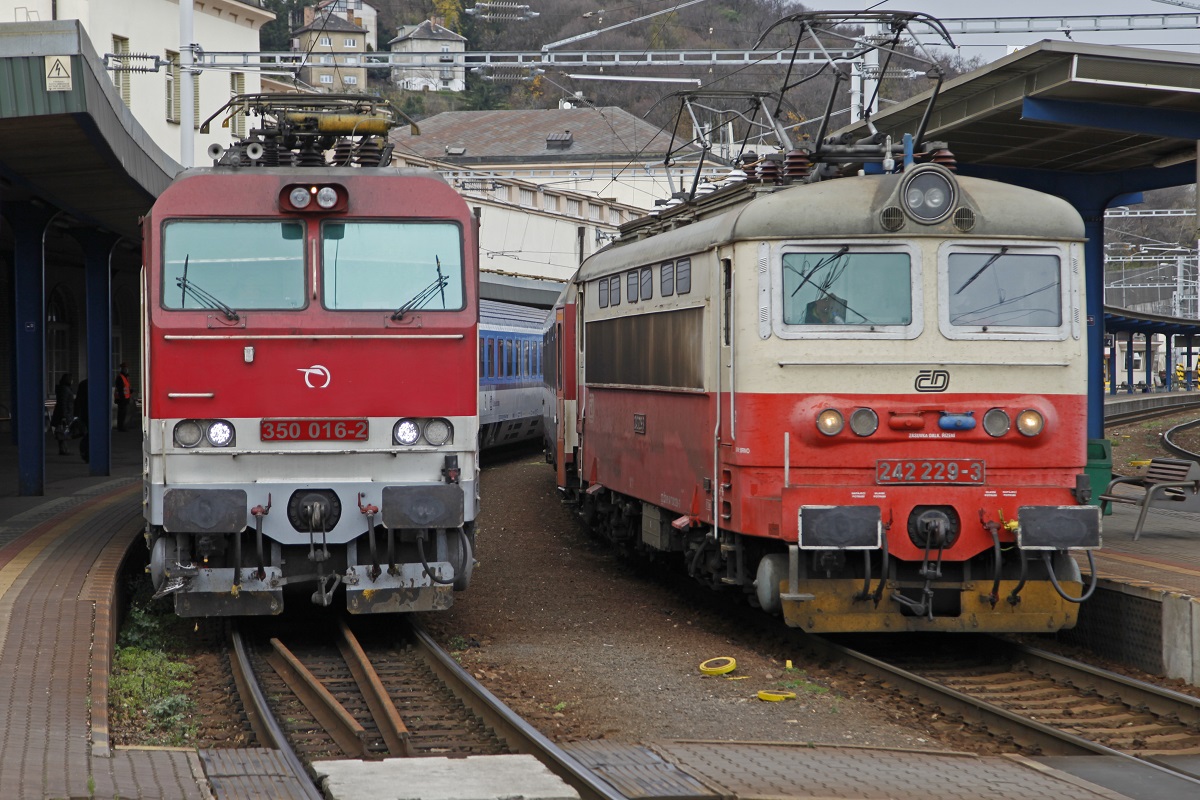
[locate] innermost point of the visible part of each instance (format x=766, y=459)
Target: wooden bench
x=1169, y=483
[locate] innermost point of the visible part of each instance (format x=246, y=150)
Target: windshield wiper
x=438, y=287
x=202, y=297
x=980, y=271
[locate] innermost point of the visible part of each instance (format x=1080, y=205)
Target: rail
x=310, y=675
x=1177, y=712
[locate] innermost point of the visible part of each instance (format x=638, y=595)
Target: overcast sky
x=993, y=47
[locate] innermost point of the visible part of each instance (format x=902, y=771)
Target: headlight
x=300, y=197
x=437, y=432
x=406, y=432
x=220, y=433
x=928, y=195
x=829, y=422
x=1030, y=422
x=864, y=421
x=327, y=197
x=188, y=433
x=996, y=422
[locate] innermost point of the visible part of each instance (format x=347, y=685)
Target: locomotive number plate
x=290, y=430
x=929, y=470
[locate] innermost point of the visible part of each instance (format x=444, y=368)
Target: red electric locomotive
x=853, y=388
x=310, y=339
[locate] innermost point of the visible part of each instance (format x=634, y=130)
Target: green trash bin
x=1099, y=468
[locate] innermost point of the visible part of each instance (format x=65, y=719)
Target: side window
x=683, y=276
x=667, y=280
x=602, y=292
x=483, y=358
x=614, y=290
x=525, y=361
x=632, y=280
x=647, y=283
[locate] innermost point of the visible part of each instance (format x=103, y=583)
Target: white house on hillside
x=428, y=37
x=151, y=27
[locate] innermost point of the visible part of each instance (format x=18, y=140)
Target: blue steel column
x=97, y=250
x=28, y=224
x=1093, y=259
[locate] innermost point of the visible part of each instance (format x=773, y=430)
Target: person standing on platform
x=122, y=394
x=81, y=416
x=60, y=421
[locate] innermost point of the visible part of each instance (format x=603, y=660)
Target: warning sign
x=58, y=73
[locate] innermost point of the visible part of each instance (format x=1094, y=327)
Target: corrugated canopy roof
x=80, y=150
x=1064, y=106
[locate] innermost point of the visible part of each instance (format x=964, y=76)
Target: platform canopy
x=68, y=139
x=1067, y=107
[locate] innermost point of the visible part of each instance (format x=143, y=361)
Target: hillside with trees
x=716, y=24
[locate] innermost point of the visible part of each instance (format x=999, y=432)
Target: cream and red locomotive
x=861, y=401
x=310, y=342
x=853, y=389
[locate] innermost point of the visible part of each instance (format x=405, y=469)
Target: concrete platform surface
x=471, y=778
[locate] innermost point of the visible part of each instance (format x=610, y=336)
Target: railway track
x=324, y=693
x=1150, y=413
x=1042, y=703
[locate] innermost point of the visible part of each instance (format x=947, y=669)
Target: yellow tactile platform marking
x=11, y=572
x=1154, y=563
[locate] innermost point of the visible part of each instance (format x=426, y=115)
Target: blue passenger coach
x=510, y=373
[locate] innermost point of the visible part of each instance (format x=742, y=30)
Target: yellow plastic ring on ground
x=718, y=666
x=772, y=696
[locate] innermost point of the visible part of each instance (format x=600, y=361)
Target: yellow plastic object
x=773, y=696
x=718, y=666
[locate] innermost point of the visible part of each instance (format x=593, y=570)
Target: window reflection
x=392, y=265
x=1002, y=288
x=841, y=287
x=242, y=264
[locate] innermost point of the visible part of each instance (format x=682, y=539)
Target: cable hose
x=1057, y=588
x=425, y=564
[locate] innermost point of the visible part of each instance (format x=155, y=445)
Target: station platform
x=60, y=554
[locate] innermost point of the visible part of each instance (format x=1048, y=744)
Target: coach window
x=667, y=279
x=647, y=290
x=870, y=290
x=227, y=265
x=602, y=292
x=631, y=280
x=614, y=290
x=992, y=290
x=396, y=266
x=483, y=358
x=683, y=276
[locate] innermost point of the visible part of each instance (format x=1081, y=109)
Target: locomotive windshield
x=397, y=266
x=233, y=264
x=840, y=287
x=1005, y=289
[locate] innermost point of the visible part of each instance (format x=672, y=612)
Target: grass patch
x=149, y=695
